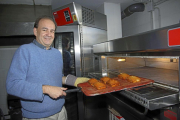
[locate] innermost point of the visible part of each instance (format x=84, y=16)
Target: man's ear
x=35, y=31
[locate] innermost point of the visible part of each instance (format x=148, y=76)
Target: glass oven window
x=64, y=42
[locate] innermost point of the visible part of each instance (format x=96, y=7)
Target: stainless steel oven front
x=146, y=55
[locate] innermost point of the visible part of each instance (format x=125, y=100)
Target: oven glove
x=74, y=81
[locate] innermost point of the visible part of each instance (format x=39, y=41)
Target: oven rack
x=151, y=96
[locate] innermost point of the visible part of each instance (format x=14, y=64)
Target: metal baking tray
x=89, y=90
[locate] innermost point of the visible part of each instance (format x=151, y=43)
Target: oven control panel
x=63, y=17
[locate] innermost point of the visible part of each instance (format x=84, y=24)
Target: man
x=35, y=75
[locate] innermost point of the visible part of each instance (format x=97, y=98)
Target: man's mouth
x=48, y=38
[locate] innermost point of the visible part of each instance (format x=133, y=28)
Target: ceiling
x=91, y=4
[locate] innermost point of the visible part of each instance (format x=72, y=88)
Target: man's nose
x=48, y=33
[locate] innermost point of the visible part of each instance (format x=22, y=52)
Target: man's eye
x=52, y=31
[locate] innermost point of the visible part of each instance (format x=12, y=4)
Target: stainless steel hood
x=152, y=41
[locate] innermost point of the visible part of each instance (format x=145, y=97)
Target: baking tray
x=89, y=90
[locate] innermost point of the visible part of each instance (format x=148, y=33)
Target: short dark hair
x=44, y=17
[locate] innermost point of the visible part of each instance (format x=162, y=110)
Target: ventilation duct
x=137, y=7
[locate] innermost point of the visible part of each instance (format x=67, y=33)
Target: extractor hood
x=152, y=41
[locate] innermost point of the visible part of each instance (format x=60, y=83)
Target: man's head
x=44, y=30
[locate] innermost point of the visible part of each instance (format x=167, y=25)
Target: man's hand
x=53, y=91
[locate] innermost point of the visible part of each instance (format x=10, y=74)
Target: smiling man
x=35, y=75
x=44, y=32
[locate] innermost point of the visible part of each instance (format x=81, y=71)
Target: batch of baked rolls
x=130, y=78
x=104, y=81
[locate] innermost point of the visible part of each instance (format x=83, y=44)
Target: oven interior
x=161, y=69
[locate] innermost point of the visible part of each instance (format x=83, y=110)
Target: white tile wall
x=6, y=55
x=141, y=21
x=112, y=12
x=138, y=22
x=170, y=12
x=114, y=29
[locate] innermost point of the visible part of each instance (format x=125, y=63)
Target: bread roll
x=99, y=85
x=123, y=76
x=133, y=79
x=92, y=81
x=113, y=83
x=105, y=79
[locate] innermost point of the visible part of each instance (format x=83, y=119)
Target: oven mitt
x=74, y=81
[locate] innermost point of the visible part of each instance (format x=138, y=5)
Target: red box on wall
x=63, y=17
x=174, y=37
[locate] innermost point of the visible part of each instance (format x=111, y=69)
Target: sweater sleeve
x=16, y=83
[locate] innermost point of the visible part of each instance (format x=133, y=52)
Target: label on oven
x=170, y=114
x=174, y=37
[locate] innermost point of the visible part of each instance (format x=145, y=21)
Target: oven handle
x=73, y=90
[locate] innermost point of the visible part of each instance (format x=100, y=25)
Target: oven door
x=67, y=41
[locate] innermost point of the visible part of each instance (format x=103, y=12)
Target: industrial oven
x=84, y=28
x=153, y=55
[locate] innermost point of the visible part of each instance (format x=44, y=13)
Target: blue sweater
x=31, y=68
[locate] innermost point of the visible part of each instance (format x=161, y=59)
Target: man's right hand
x=54, y=91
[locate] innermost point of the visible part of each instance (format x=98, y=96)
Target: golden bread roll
x=133, y=79
x=123, y=76
x=92, y=81
x=105, y=79
x=113, y=83
x=99, y=85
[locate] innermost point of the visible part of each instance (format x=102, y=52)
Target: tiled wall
x=140, y=22
x=22, y=13
x=6, y=55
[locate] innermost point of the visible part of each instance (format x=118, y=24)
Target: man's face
x=45, y=32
